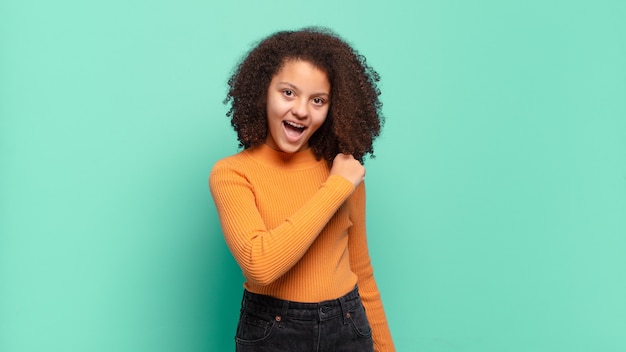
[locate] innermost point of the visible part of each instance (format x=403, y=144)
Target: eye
x=288, y=92
x=319, y=101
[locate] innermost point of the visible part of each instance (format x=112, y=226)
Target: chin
x=291, y=149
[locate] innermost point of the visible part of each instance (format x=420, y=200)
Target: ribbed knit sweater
x=297, y=233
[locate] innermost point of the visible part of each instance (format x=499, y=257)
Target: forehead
x=302, y=73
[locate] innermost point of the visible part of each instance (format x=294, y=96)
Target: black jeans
x=267, y=324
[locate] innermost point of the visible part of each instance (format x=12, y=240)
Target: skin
x=298, y=95
x=297, y=105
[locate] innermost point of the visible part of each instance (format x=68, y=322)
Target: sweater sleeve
x=361, y=265
x=266, y=254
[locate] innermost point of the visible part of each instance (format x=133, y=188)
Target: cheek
x=319, y=118
x=276, y=106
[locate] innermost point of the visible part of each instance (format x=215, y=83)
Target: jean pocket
x=358, y=320
x=254, y=327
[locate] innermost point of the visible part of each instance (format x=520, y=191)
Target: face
x=298, y=98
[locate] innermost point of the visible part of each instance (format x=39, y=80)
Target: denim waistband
x=299, y=310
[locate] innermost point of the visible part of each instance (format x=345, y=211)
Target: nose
x=300, y=109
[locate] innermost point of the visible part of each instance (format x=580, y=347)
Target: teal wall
x=496, y=203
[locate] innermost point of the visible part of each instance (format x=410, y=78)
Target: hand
x=348, y=167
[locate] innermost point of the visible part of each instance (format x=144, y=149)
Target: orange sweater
x=297, y=233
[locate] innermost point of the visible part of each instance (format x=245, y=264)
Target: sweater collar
x=281, y=160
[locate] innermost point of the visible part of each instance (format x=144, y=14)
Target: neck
x=279, y=159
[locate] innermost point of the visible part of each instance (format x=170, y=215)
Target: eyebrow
x=298, y=90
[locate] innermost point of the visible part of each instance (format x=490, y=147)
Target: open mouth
x=293, y=129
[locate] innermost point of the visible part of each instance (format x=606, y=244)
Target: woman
x=291, y=205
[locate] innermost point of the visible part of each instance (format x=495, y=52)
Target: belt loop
x=344, y=309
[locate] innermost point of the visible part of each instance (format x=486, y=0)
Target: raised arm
x=265, y=254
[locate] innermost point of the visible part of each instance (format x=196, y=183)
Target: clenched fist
x=347, y=166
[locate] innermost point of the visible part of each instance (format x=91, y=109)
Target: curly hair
x=354, y=117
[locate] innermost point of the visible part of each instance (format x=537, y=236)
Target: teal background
x=496, y=203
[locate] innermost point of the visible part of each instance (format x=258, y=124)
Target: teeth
x=296, y=125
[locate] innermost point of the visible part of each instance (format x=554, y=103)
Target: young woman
x=291, y=205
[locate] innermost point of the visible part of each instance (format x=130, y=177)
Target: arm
x=265, y=254
x=361, y=265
